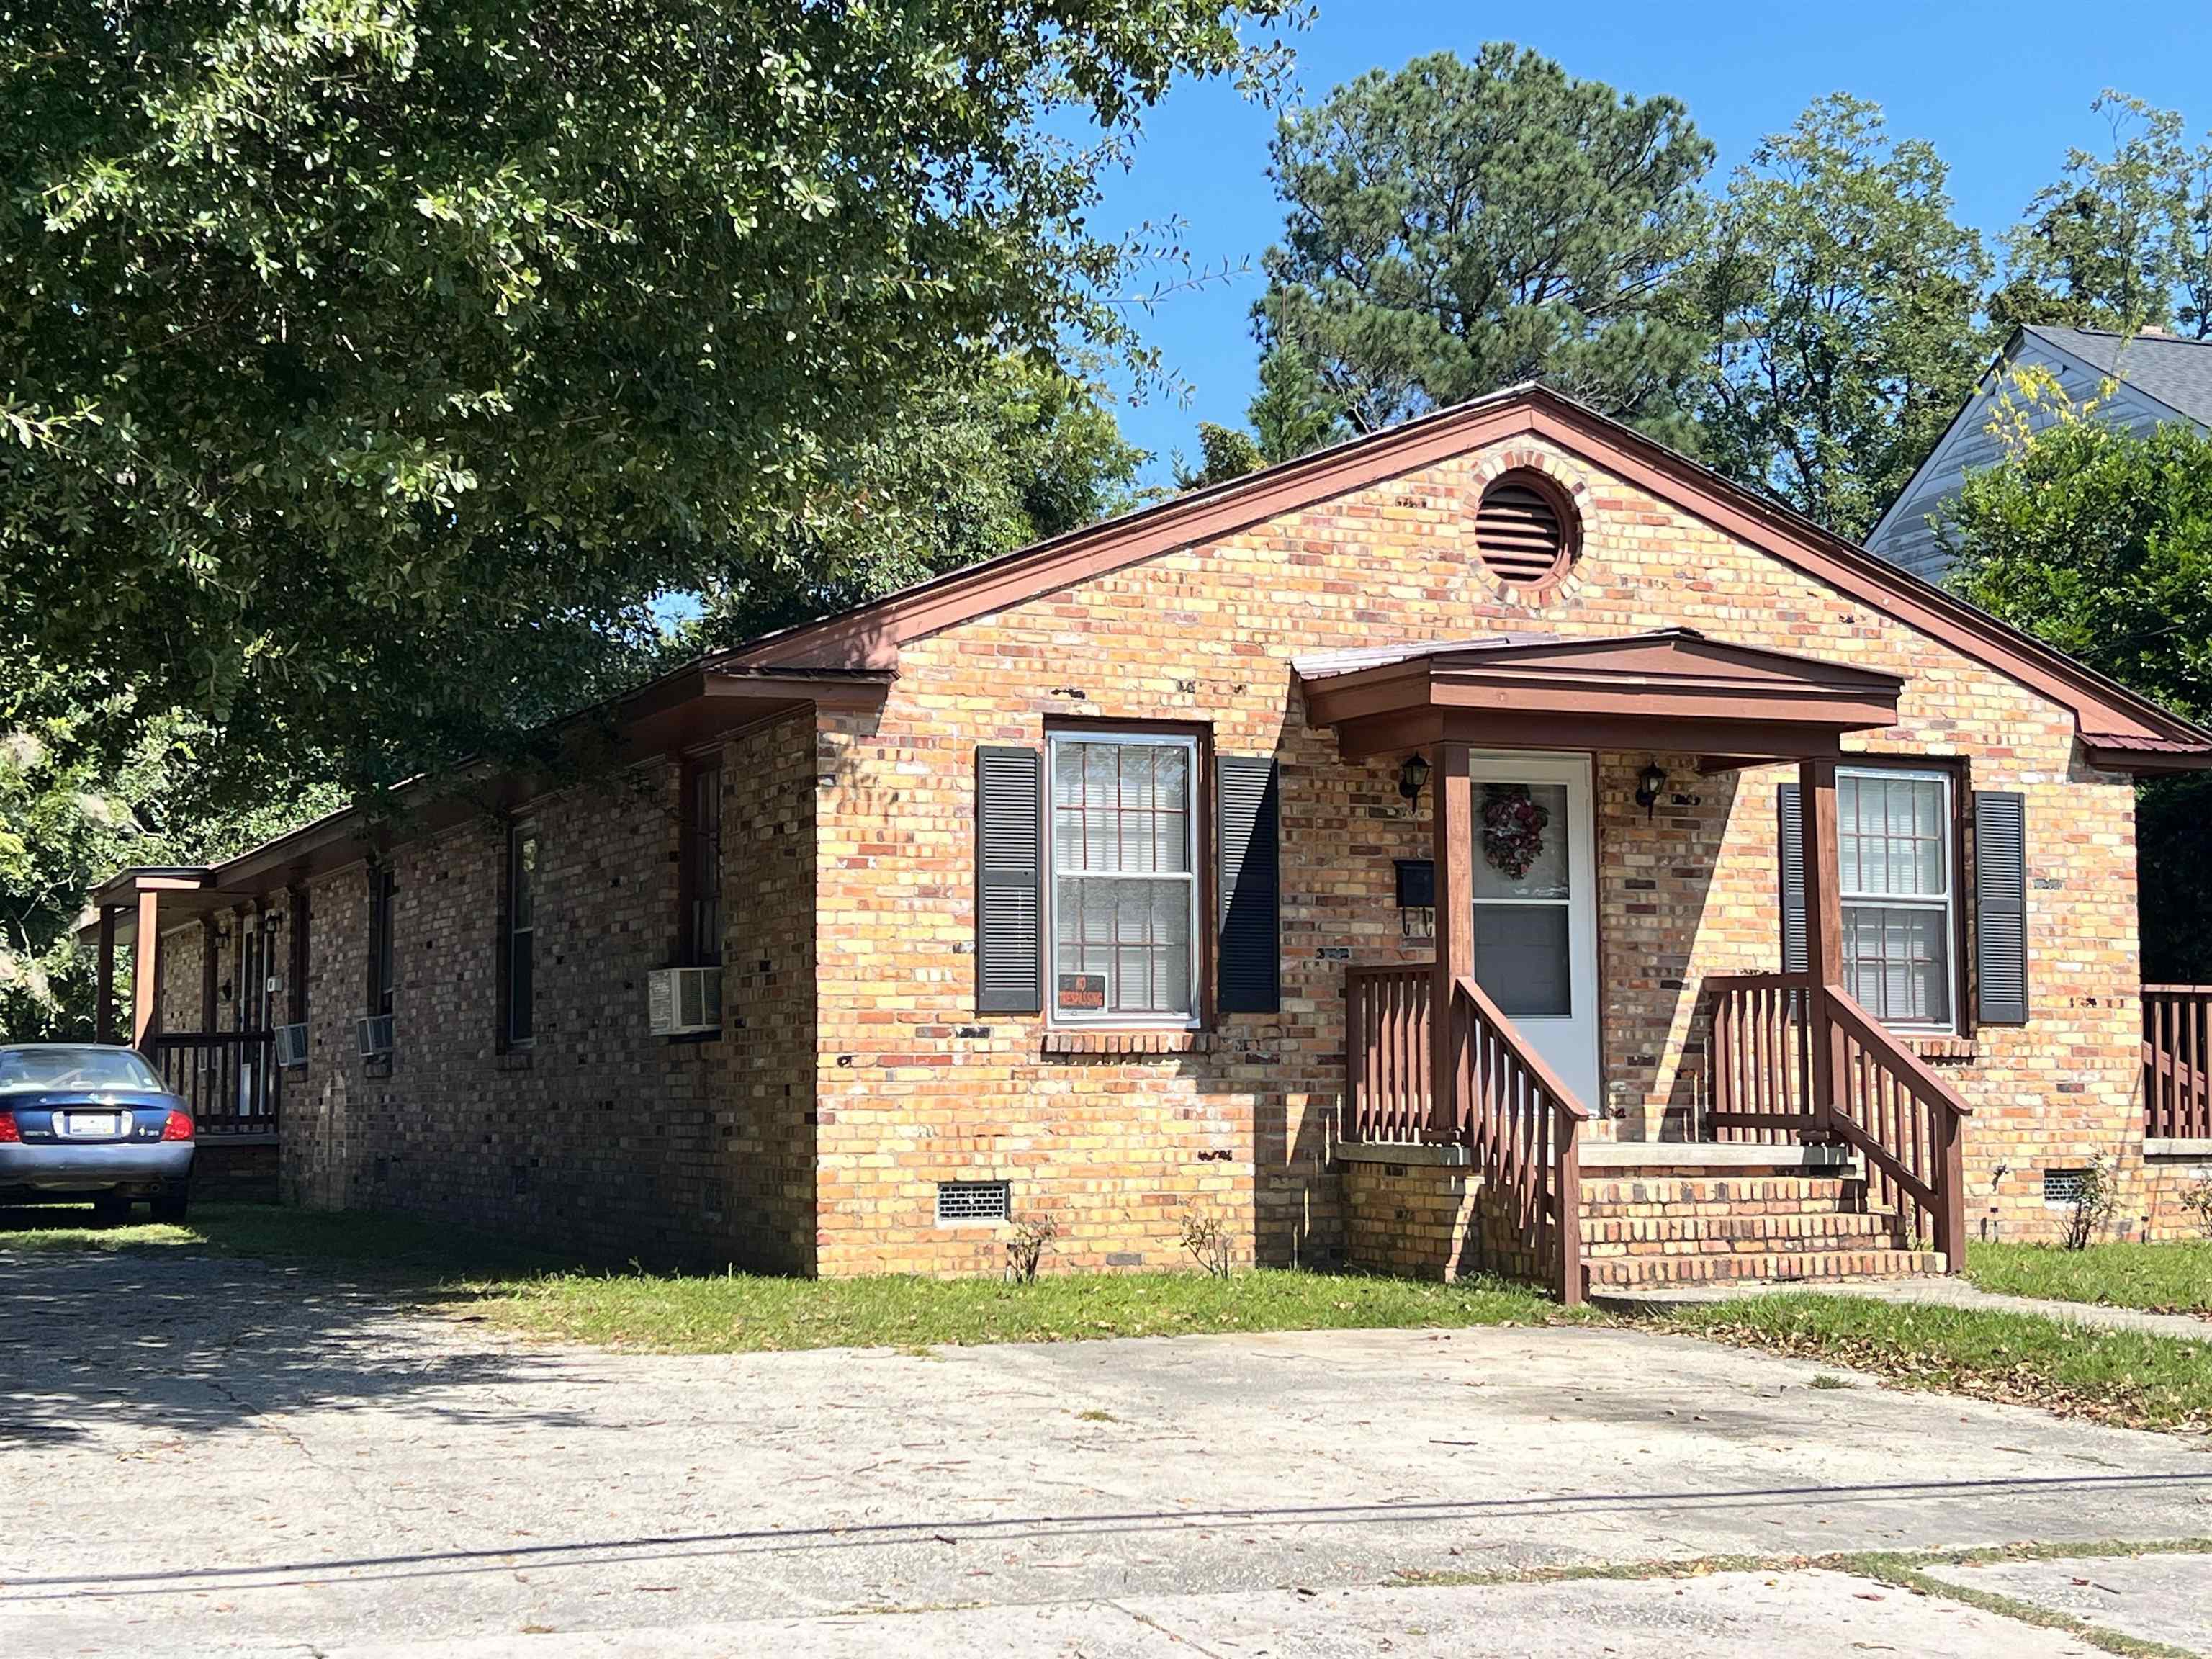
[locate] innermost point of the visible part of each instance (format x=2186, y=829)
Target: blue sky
x=2001, y=89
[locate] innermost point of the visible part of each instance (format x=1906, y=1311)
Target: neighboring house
x=1493, y=831
x=2153, y=378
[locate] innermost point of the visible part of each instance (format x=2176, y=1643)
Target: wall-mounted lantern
x=1414, y=777
x=1649, y=784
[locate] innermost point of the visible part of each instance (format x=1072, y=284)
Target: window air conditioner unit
x=683, y=1001
x=375, y=1036
x=292, y=1045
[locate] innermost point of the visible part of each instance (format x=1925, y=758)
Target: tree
x=1293, y=414
x=64, y=825
x=2100, y=540
x=2119, y=241
x=369, y=368
x=1020, y=452
x=1841, y=294
x=1458, y=227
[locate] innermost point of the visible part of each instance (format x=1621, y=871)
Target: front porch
x=1800, y=1138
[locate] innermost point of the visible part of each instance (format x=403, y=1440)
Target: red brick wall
x=915, y=1088
x=601, y=1139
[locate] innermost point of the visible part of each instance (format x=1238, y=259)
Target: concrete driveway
x=207, y=1456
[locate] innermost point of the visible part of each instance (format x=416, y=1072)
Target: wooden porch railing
x=1517, y=1120
x=1758, y=1060
x=1763, y=1059
x=228, y=1079
x=1908, y=1123
x=1387, y=1057
x=2177, y=1054
x=1521, y=1123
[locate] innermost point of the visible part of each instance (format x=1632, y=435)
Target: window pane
x=520, y=992
x=1897, y=962
x=1520, y=958
x=1520, y=841
x=1894, y=836
x=523, y=894
x=1122, y=947
x=1121, y=807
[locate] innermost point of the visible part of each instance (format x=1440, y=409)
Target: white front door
x=1535, y=905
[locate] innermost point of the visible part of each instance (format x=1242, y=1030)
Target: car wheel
x=171, y=1204
x=110, y=1209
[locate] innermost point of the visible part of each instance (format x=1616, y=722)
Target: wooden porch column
x=1452, y=847
x=144, y=972
x=1824, y=919
x=103, y=982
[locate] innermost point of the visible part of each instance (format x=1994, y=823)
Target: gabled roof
x=2164, y=368
x=872, y=634
x=1670, y=689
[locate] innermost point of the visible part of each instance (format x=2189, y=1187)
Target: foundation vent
x=2062, y=1186
x=959, y=1202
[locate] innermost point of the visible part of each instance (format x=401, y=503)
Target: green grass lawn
x=537, y=1294
x=2149, y=1381
x=2175, y=1278
x=2114, y=1376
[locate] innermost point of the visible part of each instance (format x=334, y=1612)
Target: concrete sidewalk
x=1808, y=1615
x=200, y=1454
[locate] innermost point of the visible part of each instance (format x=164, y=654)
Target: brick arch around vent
x=1545, y=470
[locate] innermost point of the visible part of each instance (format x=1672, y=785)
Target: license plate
x=91, y=1123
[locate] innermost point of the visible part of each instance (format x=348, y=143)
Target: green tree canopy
x=1456, y=226
x=1018, y=453
x=2100, y=540
x=1293, y=414
x=65, y=823
x=2121, y=240
x=1842, y=296
x=369, y=368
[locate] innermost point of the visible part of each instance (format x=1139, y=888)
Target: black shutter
x=1009, y=881
x=1789, y=848
x=1249, y=819
x=2000, y=909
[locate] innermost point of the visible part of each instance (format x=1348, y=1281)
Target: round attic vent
x=1525, y=529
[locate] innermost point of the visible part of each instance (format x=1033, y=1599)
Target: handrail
x=1905, y=1118
x=1560, y=1093
x=1520, y=1121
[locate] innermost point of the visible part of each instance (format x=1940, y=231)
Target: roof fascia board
x=873, y=633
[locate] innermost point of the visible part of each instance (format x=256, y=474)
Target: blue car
x=87, y=1120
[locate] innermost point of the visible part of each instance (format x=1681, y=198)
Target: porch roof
x=1674, y=688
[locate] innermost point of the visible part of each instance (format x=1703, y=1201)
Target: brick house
x=1496, y=842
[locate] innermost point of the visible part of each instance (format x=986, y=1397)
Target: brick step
x=1643, y=1272
x=1722, y=1231
x=1776, y=1192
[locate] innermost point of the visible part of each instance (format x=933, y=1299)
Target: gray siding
x=1905, y=537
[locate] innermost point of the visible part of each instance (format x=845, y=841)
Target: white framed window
x=1121, y=878
x=1896, y=843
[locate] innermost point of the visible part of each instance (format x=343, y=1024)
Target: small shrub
x=2198, y=1201
x=1026, y=1248
x=2094, y=1200
x=1208, y=1241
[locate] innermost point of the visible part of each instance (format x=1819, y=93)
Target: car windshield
x=32, y=1071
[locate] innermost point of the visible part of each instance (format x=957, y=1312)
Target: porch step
x=1609, y=1235
x=1728, y=1194
x=1702, y=1227
x=1622, y=1272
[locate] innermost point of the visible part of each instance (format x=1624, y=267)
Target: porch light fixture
x=1648, y=782
x=1414, y=777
